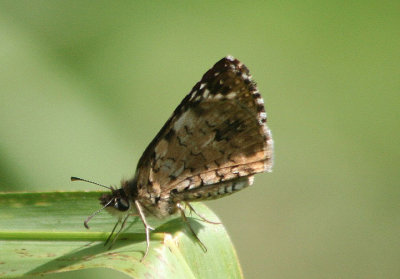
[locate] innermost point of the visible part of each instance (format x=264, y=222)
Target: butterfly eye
x=121, y=204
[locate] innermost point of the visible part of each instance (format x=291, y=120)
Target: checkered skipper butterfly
x=211, y=146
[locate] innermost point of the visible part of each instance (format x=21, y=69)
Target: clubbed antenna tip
x=74, y=178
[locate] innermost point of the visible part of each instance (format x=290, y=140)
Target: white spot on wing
x=218, y=96
x=192, y=95
x=259, y=101
x=181, y=121
x=184, y=184
x=250, y=180
x=231, y=95
x=206, y=93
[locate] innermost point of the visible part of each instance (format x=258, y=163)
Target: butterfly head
x=115, y=202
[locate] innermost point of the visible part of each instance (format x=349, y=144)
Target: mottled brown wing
x=217, y=134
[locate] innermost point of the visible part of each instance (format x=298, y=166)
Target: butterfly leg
x=182, y=211
x=119, y=231
x=200, y=216
x=112, y=232
x=146, y=226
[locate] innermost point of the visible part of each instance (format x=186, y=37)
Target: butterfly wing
x=216, y=136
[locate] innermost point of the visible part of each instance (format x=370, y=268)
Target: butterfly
x=210, y=147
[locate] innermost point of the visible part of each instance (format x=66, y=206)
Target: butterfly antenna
x=85, y=223
x=73, y=178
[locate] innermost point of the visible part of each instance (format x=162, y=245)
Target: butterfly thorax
x=121, y=200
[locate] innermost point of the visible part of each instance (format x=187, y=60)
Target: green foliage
x=43, y=233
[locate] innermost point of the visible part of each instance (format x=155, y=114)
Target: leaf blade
x=43, y=233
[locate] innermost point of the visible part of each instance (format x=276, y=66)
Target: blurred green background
x=86, y=85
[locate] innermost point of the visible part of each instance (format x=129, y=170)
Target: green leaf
x=43, y=233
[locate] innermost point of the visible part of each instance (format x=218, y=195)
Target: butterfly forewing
x=216, y=139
